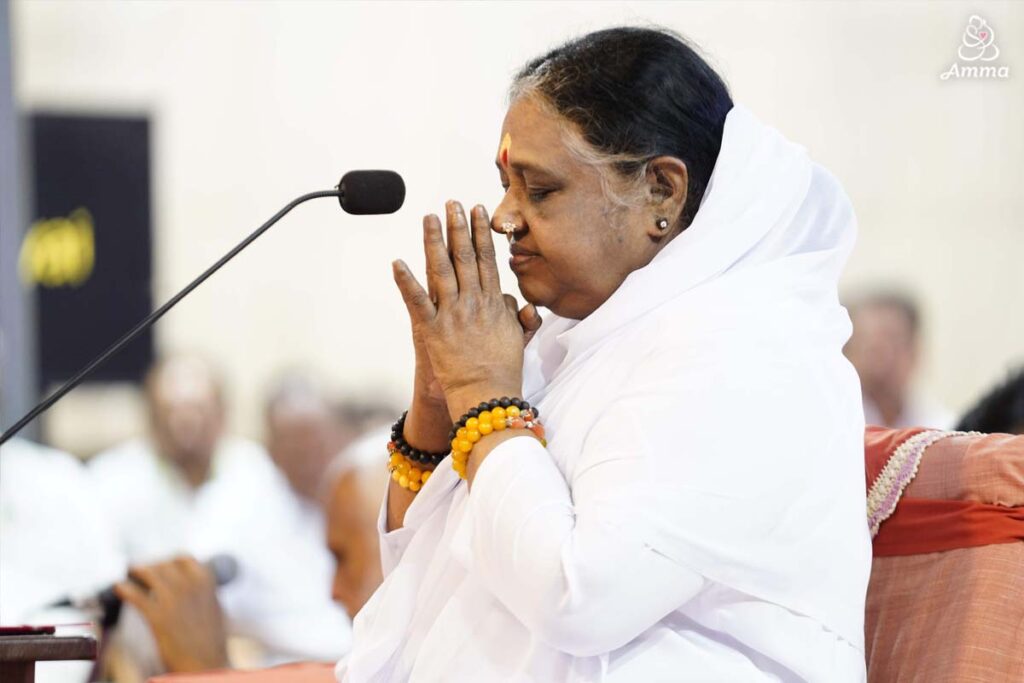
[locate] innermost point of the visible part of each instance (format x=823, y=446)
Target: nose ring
x=509, y=228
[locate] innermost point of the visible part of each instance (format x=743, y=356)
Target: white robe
x=699, y=512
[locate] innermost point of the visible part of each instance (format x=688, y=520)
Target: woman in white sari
x=697, y=512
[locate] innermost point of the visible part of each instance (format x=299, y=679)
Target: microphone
x=364, y=193
x=359, y=193
x=108, y=606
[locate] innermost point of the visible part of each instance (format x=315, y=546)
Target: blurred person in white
x=188, y=488
x=179, y=602
x=885, y=348
x=54, y=543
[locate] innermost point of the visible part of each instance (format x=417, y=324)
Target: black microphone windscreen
x=371, y=192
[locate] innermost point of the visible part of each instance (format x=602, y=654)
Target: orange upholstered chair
x=946, y=598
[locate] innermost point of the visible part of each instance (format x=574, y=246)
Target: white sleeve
x=571, y=565
x=392, y=543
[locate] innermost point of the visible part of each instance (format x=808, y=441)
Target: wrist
x=427, y=427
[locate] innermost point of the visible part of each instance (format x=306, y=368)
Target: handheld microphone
x=359, y=193
x=107, y=605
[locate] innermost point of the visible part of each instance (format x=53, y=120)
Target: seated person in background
x=1001, y=410
x=353, y=509
x=178, y=599
x=53, y=544
x=304, y=435
x=885, y=349
x=365, y=415
x=189, y=488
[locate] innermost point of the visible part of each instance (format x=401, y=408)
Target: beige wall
x=256, y=102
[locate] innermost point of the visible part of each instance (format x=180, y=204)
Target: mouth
x=521, y=258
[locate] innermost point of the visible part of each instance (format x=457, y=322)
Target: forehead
x=534, y=135
x=882, y=314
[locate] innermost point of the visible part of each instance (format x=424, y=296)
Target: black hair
x=638, y=93
x=1001, y=410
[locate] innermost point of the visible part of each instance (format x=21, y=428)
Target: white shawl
x=701, y=500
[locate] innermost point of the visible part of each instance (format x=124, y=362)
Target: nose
x=507, y=214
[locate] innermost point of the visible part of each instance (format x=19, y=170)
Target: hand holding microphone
x=178, y=599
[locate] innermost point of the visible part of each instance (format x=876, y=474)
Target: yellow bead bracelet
x=492, y=416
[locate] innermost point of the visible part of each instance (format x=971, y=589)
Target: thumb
x=530, y=319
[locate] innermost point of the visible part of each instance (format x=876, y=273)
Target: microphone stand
x=158, y=313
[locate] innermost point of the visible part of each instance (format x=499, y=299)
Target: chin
x=533, y=294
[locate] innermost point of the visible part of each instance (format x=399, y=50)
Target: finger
x=416, y=299
x=167, y=578
x=529, y=318
x=192, y=571
x=146, y=576
x=460, y=248
x=483, y=242
x=134, y=595
x=440, y=273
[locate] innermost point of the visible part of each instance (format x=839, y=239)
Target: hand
x=178, y=599
x=427, y=423
x=473, y=334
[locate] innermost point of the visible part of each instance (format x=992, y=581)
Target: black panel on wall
x=88, y=249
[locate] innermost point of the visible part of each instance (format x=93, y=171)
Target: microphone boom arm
x=158, y=313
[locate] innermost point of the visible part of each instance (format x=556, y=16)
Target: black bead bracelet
x=415, y=454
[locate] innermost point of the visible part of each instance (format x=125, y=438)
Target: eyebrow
x=523, y=166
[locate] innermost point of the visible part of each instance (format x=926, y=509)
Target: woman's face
x=574, y=247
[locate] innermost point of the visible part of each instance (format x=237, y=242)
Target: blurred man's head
x=352, y=533
x=186, y=413
x=303, y=435
x=884, y=345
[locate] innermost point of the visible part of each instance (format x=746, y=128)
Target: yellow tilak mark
x=506, y=146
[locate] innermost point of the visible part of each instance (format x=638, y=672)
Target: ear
x=668, y=183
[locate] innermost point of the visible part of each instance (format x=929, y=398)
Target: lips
x=520, y=257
